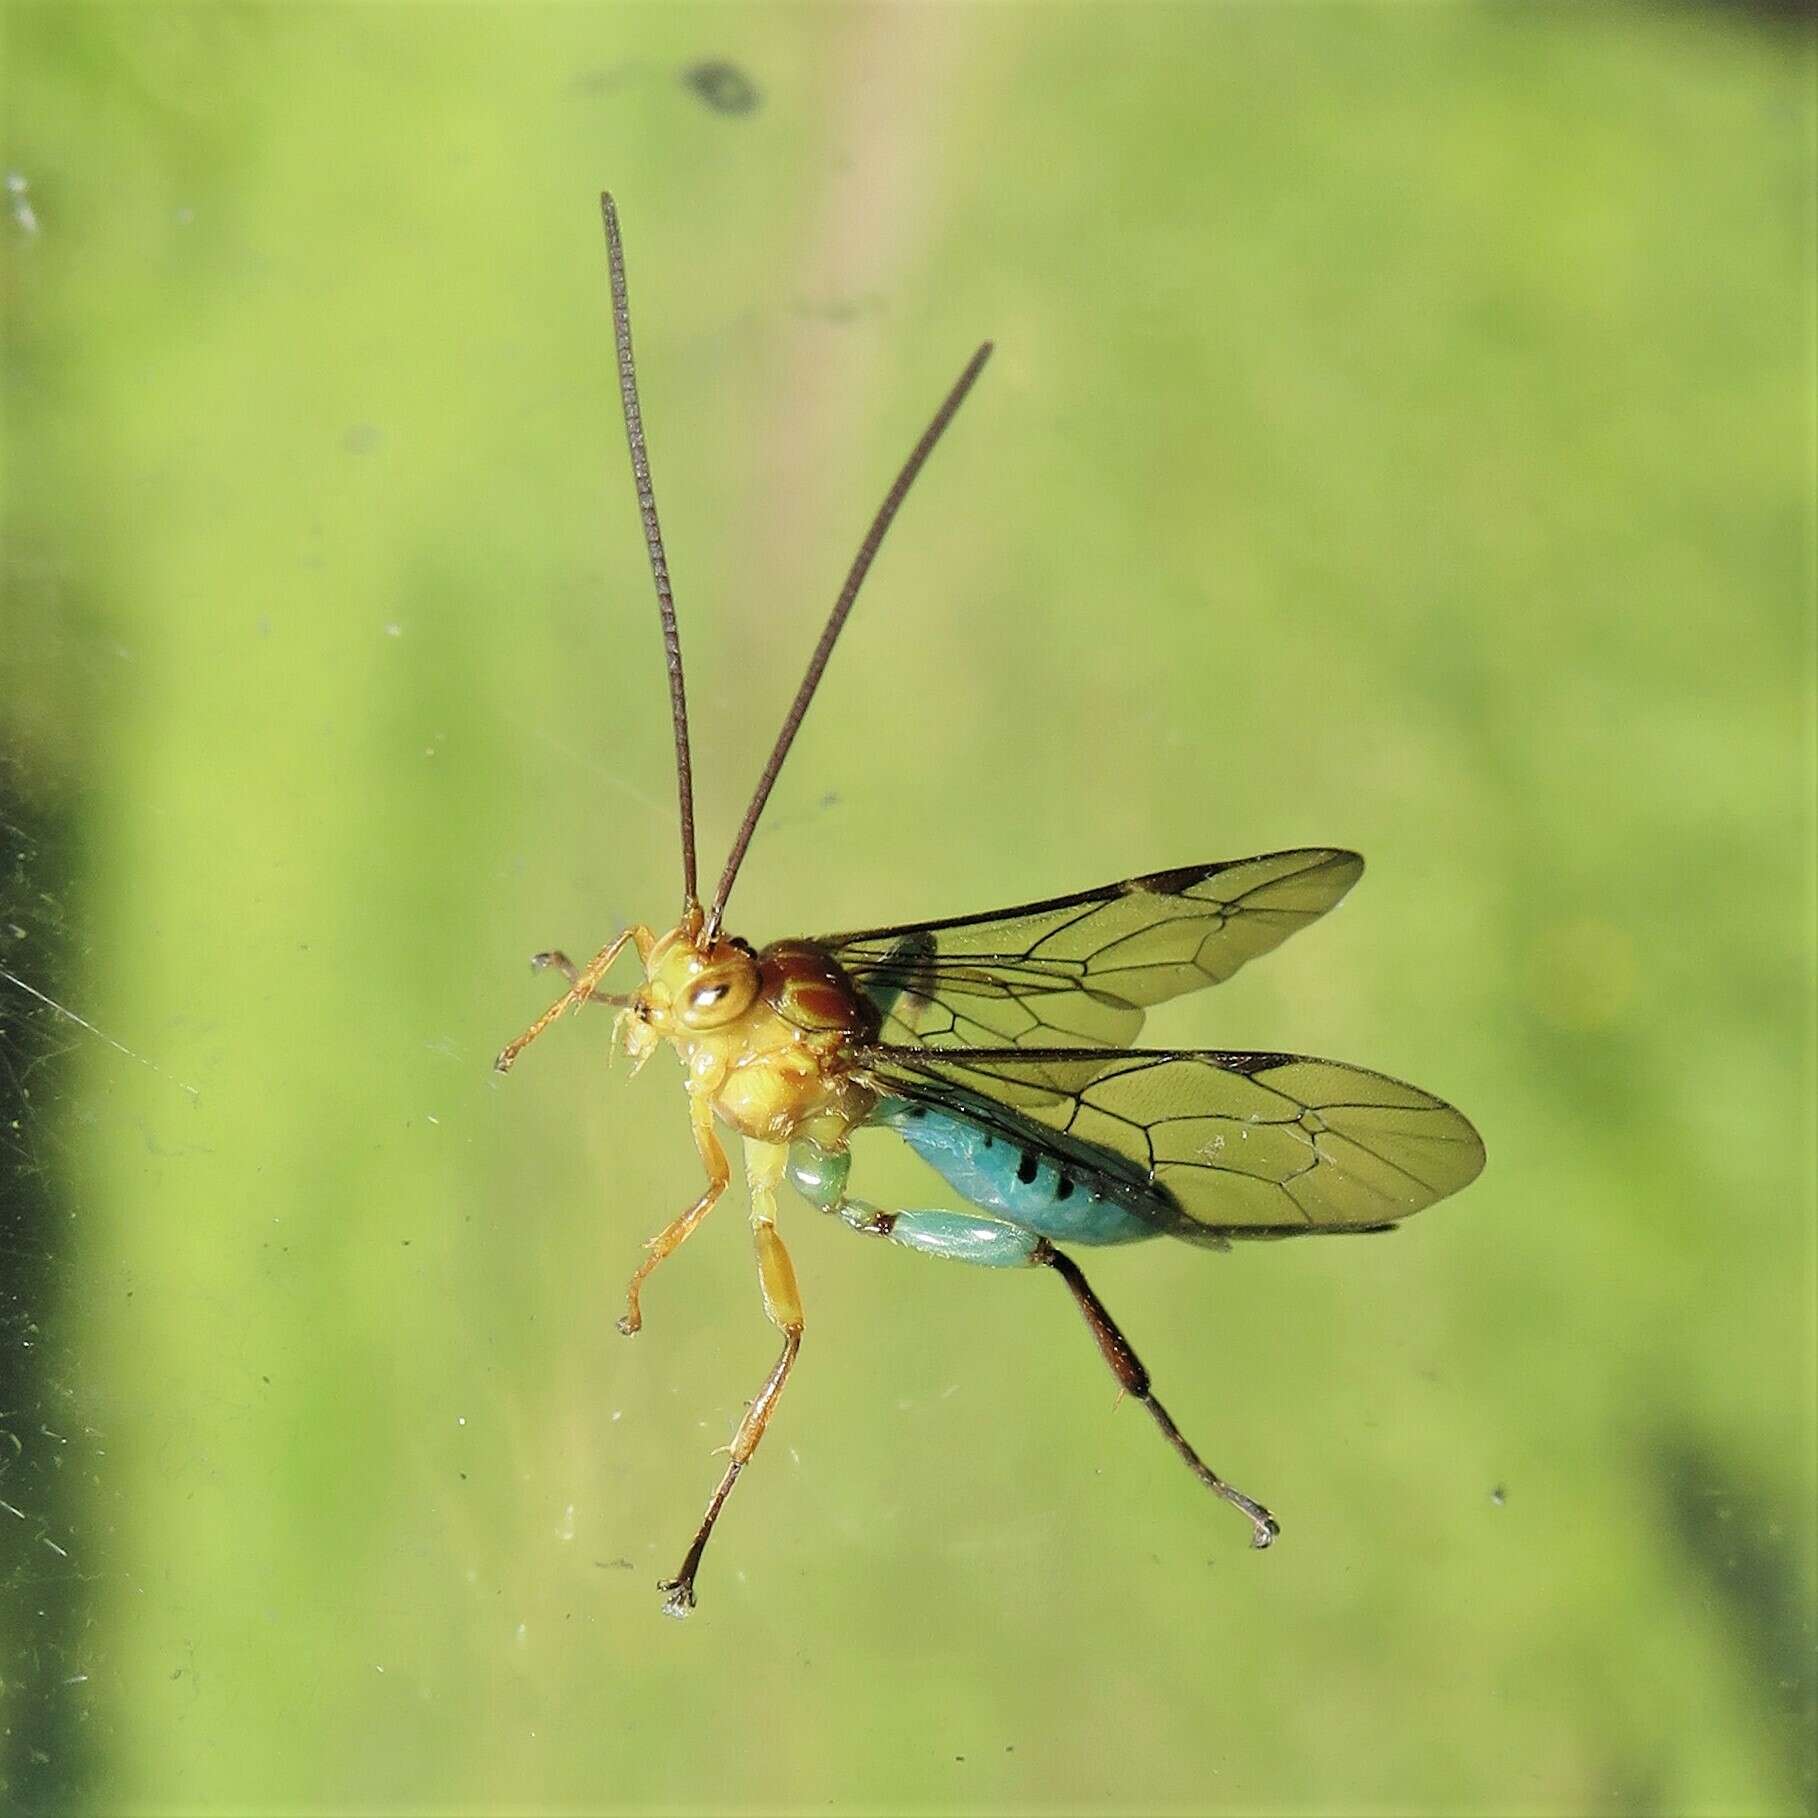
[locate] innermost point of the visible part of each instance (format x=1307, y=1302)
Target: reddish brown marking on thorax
x=810, y=990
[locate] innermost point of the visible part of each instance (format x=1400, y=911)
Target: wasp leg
x=579, y=992
x=973, y=1237
x=764, y=1164
x=560, y=962
x=997, y=1243
x=677, y=1231
x=1127, y=1367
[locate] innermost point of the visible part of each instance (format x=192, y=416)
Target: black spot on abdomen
x=1026, y=1168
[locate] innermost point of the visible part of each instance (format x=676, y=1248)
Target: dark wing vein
x=1234, y=1145
x=1079, y=971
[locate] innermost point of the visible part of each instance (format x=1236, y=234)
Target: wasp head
x=690, y=992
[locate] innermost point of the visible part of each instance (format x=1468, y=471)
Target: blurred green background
x=1401, y=436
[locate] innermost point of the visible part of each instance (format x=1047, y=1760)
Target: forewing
x=1079, y=971
x=1238, y=1145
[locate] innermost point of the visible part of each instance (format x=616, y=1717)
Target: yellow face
x=760, y=1036
x=688, y=994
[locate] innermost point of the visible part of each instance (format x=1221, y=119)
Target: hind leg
x=976, y=1237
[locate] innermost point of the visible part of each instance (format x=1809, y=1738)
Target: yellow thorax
x=759, y=1034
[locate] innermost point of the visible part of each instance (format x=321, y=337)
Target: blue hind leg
x=996, y=1243
x=819, y=1175
x=973, y=1237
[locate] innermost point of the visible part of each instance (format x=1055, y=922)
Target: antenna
x=653, y=541
x=855, y=579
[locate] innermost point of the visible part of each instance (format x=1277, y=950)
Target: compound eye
x=718, y=995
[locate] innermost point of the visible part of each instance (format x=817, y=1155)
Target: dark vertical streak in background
x=47, y=1762
x=1748, y=1571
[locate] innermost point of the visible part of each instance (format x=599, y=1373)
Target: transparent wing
x=1230, y=1145
x=1078, y=971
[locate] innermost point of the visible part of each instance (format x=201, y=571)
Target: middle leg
x=764, y=1163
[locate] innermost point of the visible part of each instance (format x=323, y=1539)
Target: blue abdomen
x=1023, y=1182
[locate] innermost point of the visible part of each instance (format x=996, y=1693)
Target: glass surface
x=1400, y=437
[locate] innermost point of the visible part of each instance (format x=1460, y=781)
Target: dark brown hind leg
x=1127, y=1367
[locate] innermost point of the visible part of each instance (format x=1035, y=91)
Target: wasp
x=999, y=1047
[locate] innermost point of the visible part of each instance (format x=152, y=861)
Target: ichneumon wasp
x=998, y=1047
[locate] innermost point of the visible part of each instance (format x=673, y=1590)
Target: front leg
x=586, y=981
x=675, y=1233
x=764, y=1165
x=558, y=961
